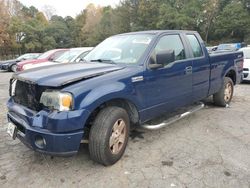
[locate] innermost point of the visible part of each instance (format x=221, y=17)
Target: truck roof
x=157, y=32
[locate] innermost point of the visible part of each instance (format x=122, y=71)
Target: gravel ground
x=210, y=148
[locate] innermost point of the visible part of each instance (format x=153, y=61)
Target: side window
x=81, y=57
x=170, y=43
x=56, y=55
x=195, y=45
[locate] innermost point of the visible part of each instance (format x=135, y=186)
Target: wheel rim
x=228, y=92
x=118, y=136
x=14, y=67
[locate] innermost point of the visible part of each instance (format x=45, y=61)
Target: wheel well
x=123, y=103
x=231, y=74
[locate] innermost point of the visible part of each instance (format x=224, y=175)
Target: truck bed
x=220, y=63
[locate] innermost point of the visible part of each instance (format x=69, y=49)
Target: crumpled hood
x=59, y=75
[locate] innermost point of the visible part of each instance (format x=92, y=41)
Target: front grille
x=245, y=69
x=27, y=94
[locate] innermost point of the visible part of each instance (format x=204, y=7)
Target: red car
x=47, y=56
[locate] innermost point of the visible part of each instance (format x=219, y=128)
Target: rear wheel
x=109, y=135
x=225, y=94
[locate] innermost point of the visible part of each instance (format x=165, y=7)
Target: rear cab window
x=195, y=45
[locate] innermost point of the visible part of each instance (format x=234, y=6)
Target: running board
x=171, y=120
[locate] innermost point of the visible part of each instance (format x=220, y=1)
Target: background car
x=47, y=56
x=246, y=65
x=229, y=47
x=10, y=65
x=70, y=56
x=211, y=49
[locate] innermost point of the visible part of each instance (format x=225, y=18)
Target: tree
x=48, y=43
x=29, y=12
x=93, y=18
x=15, y=30
x=59, y=30
x=129, y=14
x=79, y=24
x=210, y=12
x=121, y=19
x=147, y=15
x=105, y=27
x=174, y=15
x=5, y=19
x=25, y=29
x=233, y=23
x=14, y=7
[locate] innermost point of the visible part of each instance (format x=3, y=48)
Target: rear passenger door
x=201, y=68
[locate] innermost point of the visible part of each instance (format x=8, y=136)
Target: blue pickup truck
x=128, y=79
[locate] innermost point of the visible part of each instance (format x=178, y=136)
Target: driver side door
x=168, y=87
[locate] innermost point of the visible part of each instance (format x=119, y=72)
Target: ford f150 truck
x=128, y=79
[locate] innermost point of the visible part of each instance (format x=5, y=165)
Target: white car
x=246, y=66
x=70, y=56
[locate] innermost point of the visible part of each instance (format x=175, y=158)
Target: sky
x=68, y=7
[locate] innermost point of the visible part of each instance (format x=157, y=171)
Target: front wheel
x=224, y=96
x=109, y=135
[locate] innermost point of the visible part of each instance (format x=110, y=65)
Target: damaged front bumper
x=53, y=133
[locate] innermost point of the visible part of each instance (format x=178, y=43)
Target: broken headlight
x=57, y=100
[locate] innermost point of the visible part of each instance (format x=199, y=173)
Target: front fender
x=107, y=92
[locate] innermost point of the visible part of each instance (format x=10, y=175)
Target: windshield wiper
x=103, y=61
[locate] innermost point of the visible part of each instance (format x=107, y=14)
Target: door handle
x=189, y=70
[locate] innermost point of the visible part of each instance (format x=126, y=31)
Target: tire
x=106, y=142
x=13, y=68
x=224, y=96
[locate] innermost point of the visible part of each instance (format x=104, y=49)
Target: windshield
x=45, y=55
x=69, y=55
x=22, y=57
x=27, y=56
x=121, y=49
x=246, y=53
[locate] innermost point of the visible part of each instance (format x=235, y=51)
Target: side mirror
x=163, y=58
